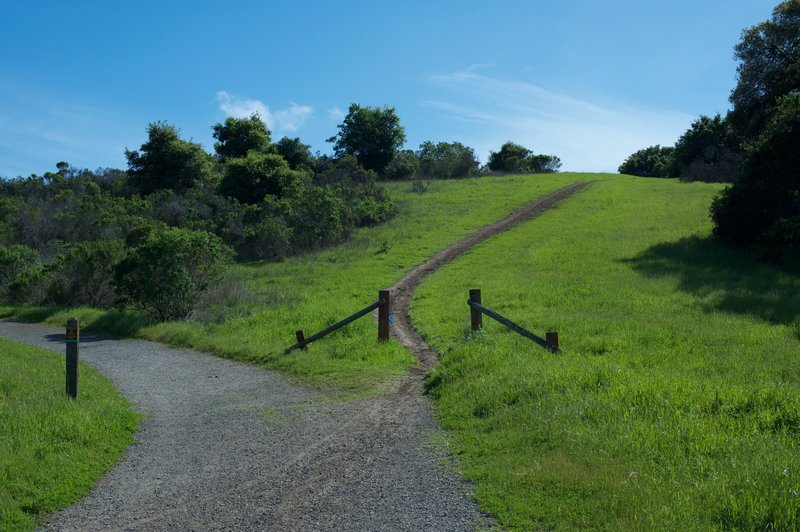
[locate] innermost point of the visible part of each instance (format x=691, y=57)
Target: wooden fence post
x=383, y=315
x=300, y=337
x=552, y=338
x=475, y=315
x=72, y=339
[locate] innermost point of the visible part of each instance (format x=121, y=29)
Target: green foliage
x=707, y=151
x=166, y=274
x=514, y=158
x=249, y=179
x=317, y=215
x=83, y=275
x=404, y=165
x=372, y=134
x=344, y=170
x=238, y=136
x=769, y=67
x=297, y=154
x=53, y=449
x=166, y=161
x=762, y=207
x=446, y=160
x=14, y=260
x=655, y=161
x=268, y=239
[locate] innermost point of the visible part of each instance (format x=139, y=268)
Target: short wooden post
x=384, y=296
x=552, y=339
x=72, y=339
x=475, y=315
x=300, y=337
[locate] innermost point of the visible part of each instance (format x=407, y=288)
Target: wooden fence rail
x=476, y=310
x=382, y=304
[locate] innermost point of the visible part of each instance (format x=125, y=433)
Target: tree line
x=157, y=236
x=755, y=147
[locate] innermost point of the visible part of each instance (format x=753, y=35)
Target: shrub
x=266, y=240
x=84, y=274
x=762, y=207
x=14, y=260
x=655, y=161
x=249, y=179
x=166, y=274
x=317, y=216
x=404, y=166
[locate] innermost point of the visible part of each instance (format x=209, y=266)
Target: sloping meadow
x=676, y=400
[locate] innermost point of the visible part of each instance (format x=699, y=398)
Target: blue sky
x=590, y=81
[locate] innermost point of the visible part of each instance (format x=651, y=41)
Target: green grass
x=316, y=290
x=52, y=448
x=676, y=401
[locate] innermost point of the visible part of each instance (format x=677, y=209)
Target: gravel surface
x=225, y=445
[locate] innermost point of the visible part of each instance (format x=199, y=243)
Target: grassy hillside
x=315, y=290
x=52, y=448
x=676, y=401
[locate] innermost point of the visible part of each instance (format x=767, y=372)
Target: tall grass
x=676, y=401
x=52, y=449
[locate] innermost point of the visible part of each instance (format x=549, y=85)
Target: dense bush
x=762, y=207
x=655, y=161
x=239, y=136
x=446, y=160
x=513, y=158
x=708, y=151
x=317, y=215
x=166, y=274
x=249, y=179
x=83, y=275
x=404, y=166
x=14, y=260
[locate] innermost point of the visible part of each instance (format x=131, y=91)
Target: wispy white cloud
x=335, y=113
x=587, y=135
x=239, y=107
x=292, y=118
x=38, y=130
x=283, y=120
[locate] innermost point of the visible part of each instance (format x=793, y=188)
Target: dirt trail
x=403, y=290
x=226, y=445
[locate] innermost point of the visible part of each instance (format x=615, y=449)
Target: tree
x=250, y=178
x=769, y=55
x=708, y=151
x=372, y=134
x=513, y=158
x=297, y=154
x=543, y=164
x=166, y=161
x=655, y=161
x=762, y=207
x=166, y=274
x=446, y=160
x=237, y=136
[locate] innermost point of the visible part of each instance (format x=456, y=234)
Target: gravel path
x=226, y=445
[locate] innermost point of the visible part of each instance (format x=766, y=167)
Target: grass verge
x=676, y=402
x=52, y=448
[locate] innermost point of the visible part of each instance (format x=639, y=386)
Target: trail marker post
x=72, y=340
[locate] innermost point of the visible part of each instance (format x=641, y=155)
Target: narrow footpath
x=225, y=445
